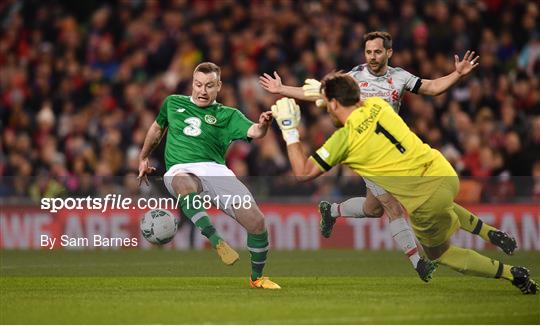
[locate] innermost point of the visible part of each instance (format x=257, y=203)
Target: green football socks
x=199, y=217
x=258, y=249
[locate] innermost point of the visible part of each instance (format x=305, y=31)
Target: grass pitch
x=319, y=287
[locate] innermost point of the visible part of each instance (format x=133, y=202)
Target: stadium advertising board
x=290, y=226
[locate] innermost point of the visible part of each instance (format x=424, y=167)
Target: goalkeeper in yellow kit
x=377, y=144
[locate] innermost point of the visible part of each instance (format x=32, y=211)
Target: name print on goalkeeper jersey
x=198, y=134
x=391, y=86
x=378, y=145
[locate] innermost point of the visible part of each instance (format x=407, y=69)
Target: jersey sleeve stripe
x=321, y=162
x=317, y=164
x=417, y=86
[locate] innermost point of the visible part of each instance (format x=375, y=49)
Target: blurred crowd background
x=81, y=82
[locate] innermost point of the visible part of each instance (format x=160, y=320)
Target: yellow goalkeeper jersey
x=377, y=144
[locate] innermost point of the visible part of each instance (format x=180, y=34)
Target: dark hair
x=342, y=87
x=207, y=68
x=387, y=39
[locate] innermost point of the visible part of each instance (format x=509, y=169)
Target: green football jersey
x=197, y=134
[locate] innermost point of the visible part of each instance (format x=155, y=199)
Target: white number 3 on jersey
x=194, y=127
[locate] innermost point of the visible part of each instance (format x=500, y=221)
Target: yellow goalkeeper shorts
x=435, y=221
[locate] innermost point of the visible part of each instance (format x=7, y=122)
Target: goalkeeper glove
x=312, y=88
x=287, y=115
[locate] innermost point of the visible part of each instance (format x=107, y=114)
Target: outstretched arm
x=438, y=86
x=287, y=115
x=274, y=85
x=303, y=168
x=153, y=138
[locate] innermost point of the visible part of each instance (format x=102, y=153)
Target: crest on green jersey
x=210, y=119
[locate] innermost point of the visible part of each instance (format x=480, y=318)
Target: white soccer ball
x=159, y=226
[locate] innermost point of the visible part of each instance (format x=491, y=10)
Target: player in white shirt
x=390, y=86
x=377, y=78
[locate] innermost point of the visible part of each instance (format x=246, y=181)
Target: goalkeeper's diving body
x=377, y=78
x=377, y=144
x=199, y=132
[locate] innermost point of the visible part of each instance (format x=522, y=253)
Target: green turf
x=319, y=287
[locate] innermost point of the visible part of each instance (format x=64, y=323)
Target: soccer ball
x=159, y=226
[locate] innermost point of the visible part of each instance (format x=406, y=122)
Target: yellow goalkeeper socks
x=471, y=223
x=470, y=262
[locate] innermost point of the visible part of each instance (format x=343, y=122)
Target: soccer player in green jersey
x=376, y=143
x=199, y=131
